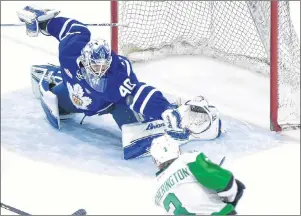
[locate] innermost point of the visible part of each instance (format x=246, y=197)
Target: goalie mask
x=164, y=149
x=96, y=59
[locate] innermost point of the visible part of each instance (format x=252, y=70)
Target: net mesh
x=237, y=32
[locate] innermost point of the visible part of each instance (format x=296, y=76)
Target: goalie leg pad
x=36, y=73
x=52, y=75
x=53, y=94
x=137, y=137
x=49, y=103
x=49, y=78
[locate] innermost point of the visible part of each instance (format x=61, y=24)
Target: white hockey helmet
x=164, y=149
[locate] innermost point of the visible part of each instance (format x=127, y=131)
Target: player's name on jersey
x=176, y=177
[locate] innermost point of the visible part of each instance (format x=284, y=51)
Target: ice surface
x=45, y=171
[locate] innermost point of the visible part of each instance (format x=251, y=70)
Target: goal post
x=274, y=68
x=114, y=29
x=256, y=35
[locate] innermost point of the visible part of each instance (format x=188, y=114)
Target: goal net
x=257, y=35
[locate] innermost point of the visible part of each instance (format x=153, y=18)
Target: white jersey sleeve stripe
x=70, y=33
x=137, y=95
x=128, y=67
x=146, y=100
x=64, y=28
x=76, y=24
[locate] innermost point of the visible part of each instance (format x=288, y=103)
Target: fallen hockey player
x=190, y=184
x=93, y=80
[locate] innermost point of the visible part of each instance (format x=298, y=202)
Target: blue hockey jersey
x=119, y=85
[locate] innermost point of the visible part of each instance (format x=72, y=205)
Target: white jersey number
x=171, y=198
x=126, y=88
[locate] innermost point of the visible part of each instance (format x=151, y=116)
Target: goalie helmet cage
x=256, y=35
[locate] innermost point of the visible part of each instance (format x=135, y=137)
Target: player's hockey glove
x=36, y=19
x=240, y=190
x=234, y=193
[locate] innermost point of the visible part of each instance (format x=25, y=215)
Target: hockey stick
x=88, y=24
x=19, y=212
x=222, y=161
x=12, y=209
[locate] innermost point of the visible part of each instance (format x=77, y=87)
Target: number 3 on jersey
x=126, y=88
x=171, y=198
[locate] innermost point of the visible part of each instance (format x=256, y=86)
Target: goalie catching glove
x=194, y=119
x=36, y=19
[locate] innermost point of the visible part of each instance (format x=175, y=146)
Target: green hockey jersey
x=190, y=184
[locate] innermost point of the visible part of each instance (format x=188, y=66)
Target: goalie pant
x=192, y=184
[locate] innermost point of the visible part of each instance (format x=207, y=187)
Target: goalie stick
x=88, y=24
x=20, y=212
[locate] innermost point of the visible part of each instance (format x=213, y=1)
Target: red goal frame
x=114, y=29
x=274, y=125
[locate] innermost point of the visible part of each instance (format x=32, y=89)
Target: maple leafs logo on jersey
x=76, y=94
